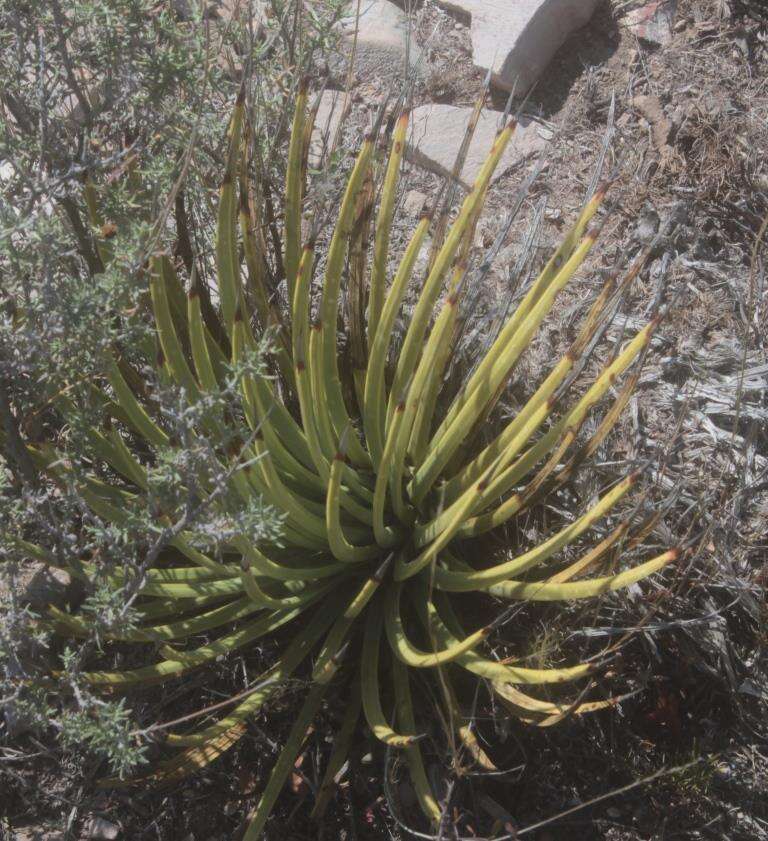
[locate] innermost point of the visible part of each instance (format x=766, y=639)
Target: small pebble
x=100, y=829
x=414, y=202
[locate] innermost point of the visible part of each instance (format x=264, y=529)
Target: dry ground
x=688, y=143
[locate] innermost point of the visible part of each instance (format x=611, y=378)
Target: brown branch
x=20, y=460
x=60, y=24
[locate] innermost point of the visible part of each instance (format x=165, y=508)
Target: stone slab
x=326, y=123
x=516, y=39
x=436, y=133
x=386, y=42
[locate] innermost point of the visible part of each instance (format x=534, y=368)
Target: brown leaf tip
x=593, y=231
x=603, y=189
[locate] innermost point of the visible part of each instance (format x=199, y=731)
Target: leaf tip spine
x=602, y=190
x=378, y=576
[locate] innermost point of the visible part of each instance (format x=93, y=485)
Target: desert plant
x=381, y=505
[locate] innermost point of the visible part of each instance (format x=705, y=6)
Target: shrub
x=338, y=494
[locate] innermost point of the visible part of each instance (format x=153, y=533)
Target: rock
x=653, y=22
x=516, y=40
x=437, y=131
x=100, y=829
x=38, y=585
x=647, y=226
x=414, y=203
x=661, y=126
x=326, y=123
x=385, y=42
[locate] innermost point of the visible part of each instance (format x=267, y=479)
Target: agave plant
x=384, y=483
